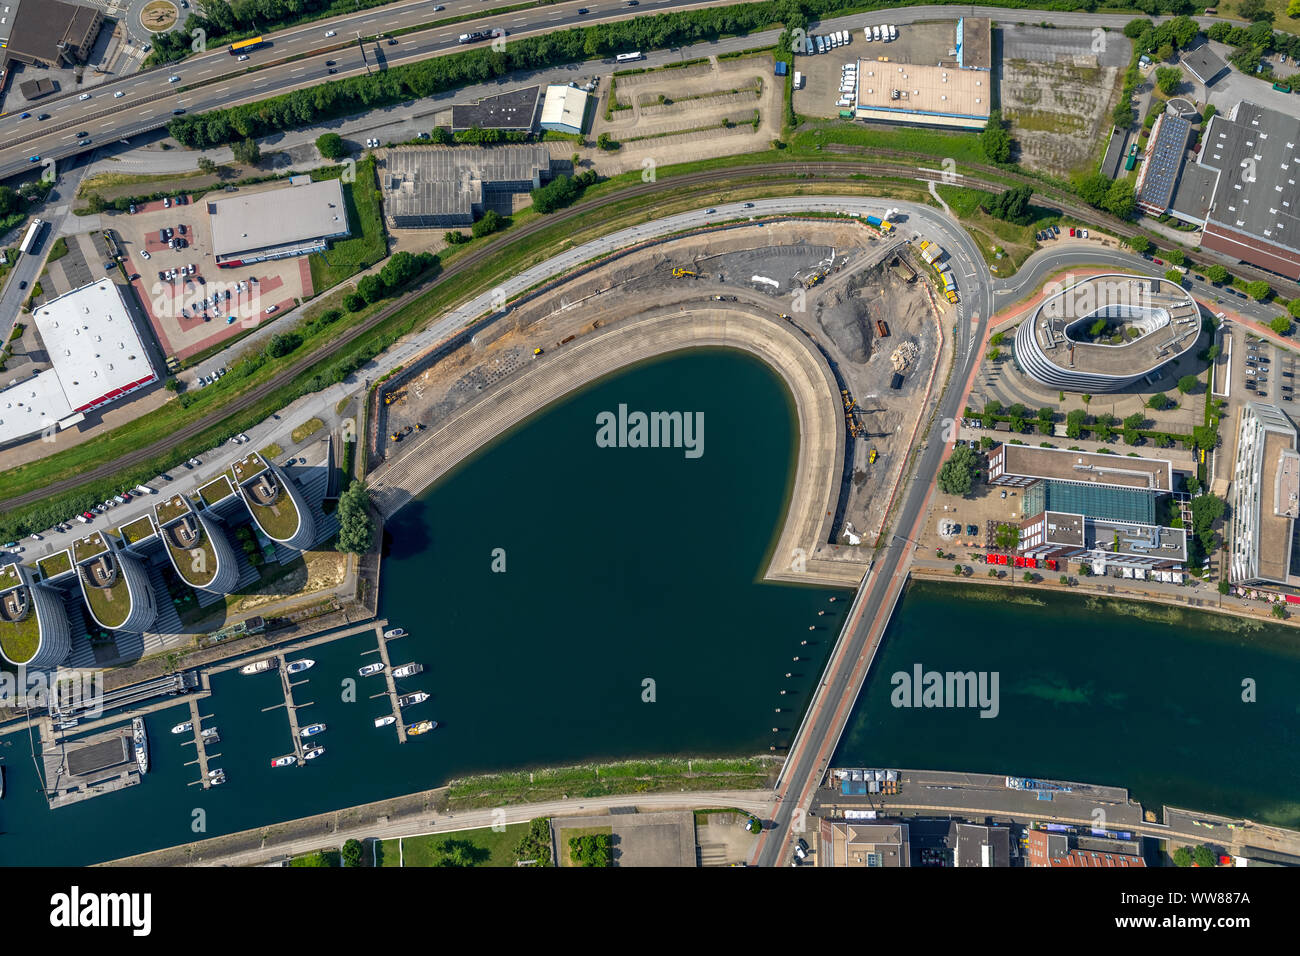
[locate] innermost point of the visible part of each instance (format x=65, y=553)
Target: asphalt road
x=147, y=99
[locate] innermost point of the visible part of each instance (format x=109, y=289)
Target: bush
x=282, y=344
x=371, y=288
x=1281, y=325
x=331, y=146
x=454, y=237
x=356, y=527
x=1159, y=401
x=354, y=302
x=607, y=142
x=247, y=151
x=491, y=222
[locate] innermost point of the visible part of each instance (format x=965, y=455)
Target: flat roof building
x=1265, y=496
x=850, y=843
x=1253, y=209
x=1102, y=542
x=982, y=846
x=53, y=33
x=428, y=187
x=975, y=43
x=1021, y=465
x=1063, y=851
x=294, y=220
x=1203, y=63
x=894, y=92
x=564, y=109
x=96, y=354
x=1147, y=324
x=1162, y=162
x=515, y=110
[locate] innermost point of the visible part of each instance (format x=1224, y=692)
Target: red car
x=1071, y=232
x=1158, y=262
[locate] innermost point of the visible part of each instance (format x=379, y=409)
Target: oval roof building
x=33, y=622
x=1106, y=332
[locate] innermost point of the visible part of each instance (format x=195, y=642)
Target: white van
x=893, y=32
x=866, y=34
x=847, y=36
x=821, y=45
x=875, y=33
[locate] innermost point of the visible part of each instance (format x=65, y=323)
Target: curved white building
x=34, y=629
x=276, y=505
x=197, y=546
x=115, y=584
x=1104, y=333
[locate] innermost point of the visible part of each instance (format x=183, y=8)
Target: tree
x=1187, y=384
x=1281, y=324
x=351, y=853
x=96, y=203
x=247, y=151
x=994, y=354
x=331, y=146
x=206, y=165
x=1007, y=537
x=1139, y=244
x=1203, y=856
x=592, y=849
x=958, y=473
x=1012, y=205
x=1259, y=290
x=1293, y=9
x=956, y=569
x=282, y=344
x=1159, y=401
x=1029, y=577
x=1174, y=276
x=1175, y=257
x=1224, y=586
x=607, y=142
x=1120, y=199
x=490, y=223
x=459, y=853
x=356, y=527
x=998, y=338
x=1136, y=420
x=8, y=201
x=371, y=288
x=1217, y=274
x=1182, y=856
x=1256, y=11
x=1294, y=308
x=1136, y=28
x=1074, y=422
x=1064, y=580
x=995, y=141
x=354, y=302
x=454, y=237
x=1279, y=611
x=1168, y=79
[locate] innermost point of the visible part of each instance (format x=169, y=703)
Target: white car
x=243, y=56
x=145, y=253
x=331, y=33
x=167, y=203
x=270, y=308
x=173, y=79
x=84, y=96
x=118, y=94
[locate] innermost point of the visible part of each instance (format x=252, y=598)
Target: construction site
x=858, y=293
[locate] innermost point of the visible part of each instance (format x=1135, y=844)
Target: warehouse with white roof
x=96, y=354
x=294, y=220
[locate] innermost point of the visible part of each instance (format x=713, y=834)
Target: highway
x=216, y=79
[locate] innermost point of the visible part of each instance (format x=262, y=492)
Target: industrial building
x=96, y=354
x=434, y=187
x=1265, y=496
x=1242, y=188
x=53, y=33
x=1162, y=163
x=956, y=93
x=1203, y=63
x=1156, y=322
x=564, y=109
x=514, y=111
x=294, y=220
x=34, y=628
x=976, y=845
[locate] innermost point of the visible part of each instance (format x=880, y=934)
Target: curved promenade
x=803, y=369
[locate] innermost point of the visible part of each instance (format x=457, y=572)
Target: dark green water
x=626, y=564
x=621, y=565
x=1142, y=697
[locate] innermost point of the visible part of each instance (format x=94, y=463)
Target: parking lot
x=1262, y=373
x=192, y=305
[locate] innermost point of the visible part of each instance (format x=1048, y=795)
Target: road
x=216, y=79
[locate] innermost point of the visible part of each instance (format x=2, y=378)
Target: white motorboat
x=257, y=667
x=387, y=721
x=394, y=632
x=408, y=670
x=286, y=761
x=407, y=700
x=141, y=742
x=311, y=730
x=369, y=669
x=297, y=667
x=184, y=727
x=313, y=753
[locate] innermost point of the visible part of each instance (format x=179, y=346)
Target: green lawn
x=110, y=612
x=195, y=573
x=368, y=245
x=307, y=429
x=55, y=564
x=216, y=490
x=279, y=521
x=58, y=250
x=498, y=848
x=19, y=641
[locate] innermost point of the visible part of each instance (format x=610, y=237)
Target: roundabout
x=159, y=16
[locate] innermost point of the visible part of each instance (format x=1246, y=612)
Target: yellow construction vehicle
x=871, y=460
x=680, y=273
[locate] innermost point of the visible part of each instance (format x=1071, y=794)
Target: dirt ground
x=1058, y=88
x=855, y=286
x=688, y=124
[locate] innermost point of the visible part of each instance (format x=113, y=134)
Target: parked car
x=270, y=308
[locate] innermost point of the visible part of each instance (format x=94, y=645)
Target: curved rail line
x=792, y=173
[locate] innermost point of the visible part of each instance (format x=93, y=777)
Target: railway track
x=769, y=173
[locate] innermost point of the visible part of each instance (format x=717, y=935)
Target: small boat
x=141, y=742
x=394, y=632
x=387, y=721
x=408, y=670
x=216, y=777
x=312, y=730
x=2, y=781
x=313, y=753
x=184, y=727
x=423, y=727
x=297, y=667
x=208, y=732
x=286, y=761
x=257, y=667
x=407, y=700
x=369, y=669
x=215, y=772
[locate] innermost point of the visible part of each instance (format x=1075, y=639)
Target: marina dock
x=390, y=681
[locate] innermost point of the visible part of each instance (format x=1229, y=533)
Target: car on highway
x=22, y=284
x=243, y=56
x=583, y=11
x=43, y=116
x=392, y=41
x=330, y=63
x=632, y=3
x=33, y=159
x=84, y=96
x=25, y=116
x=173, y=78
x=331, y=71
x=83, y=142
x=331, y=33
x=118, y=94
